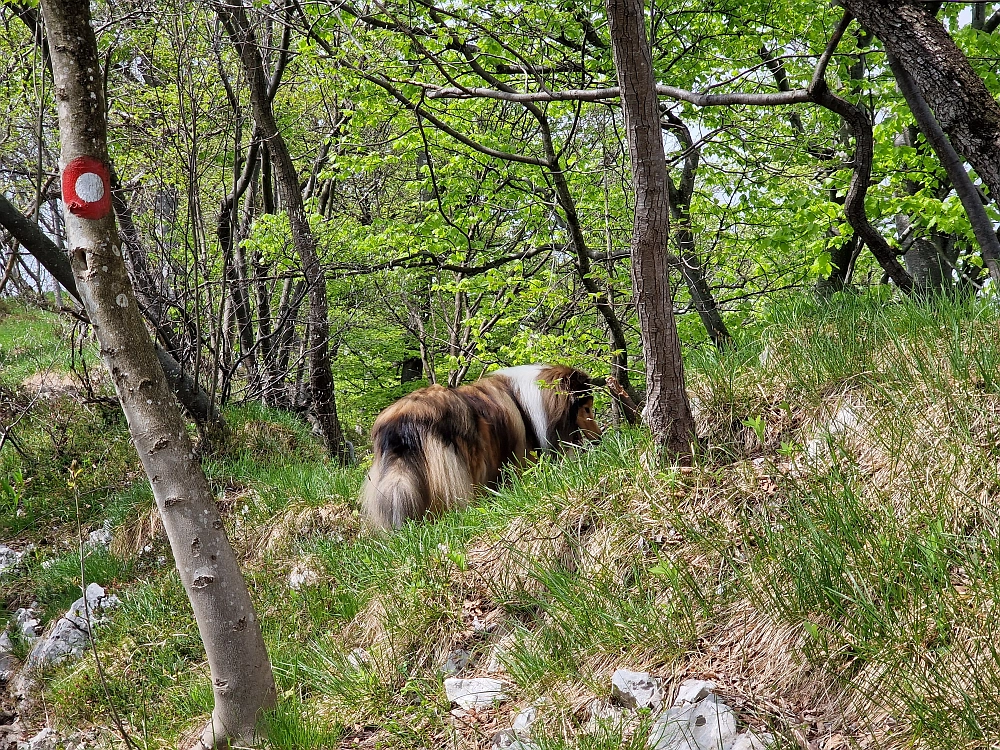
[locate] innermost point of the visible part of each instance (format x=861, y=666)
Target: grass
x=832, y=560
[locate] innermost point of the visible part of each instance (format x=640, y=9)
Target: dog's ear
x=579, y=384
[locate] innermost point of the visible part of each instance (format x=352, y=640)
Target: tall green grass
x=835, y=574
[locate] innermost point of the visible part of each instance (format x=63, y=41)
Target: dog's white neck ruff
x=524, y=380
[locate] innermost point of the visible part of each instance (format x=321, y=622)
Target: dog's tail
x=399, y=488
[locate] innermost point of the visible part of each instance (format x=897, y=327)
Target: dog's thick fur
x=435, y=447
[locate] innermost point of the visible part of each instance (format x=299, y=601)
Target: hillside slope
x=831, y=562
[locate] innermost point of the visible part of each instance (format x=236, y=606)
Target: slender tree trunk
x=233, y=16
x=241, y=672
x=619, y=357
x=687, y=261
x=234, y=264
x=854, y=202
x=147, y=287
x=841, y=262
x=667, y=411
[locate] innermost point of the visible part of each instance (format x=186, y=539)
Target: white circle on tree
x=89, y=187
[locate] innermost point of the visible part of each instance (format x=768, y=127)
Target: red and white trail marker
x=86, y=188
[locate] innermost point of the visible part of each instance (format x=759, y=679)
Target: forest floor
x=831, y=561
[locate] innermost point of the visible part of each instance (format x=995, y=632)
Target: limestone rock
x=50, y=739
x=7, y=659
x=9, y=559
x=69, y=636
x=359, y=658
x=499, y=654
x=507, y=740
x=27, y=623
x=301, y=576
x=475, y=692
x=101, y=537
x=603, y=717
x=636, y=689
x=523, y=721
x=44, y=740
x=750, y=740
x=692, y=691
x=844, y=421
x=707, y=725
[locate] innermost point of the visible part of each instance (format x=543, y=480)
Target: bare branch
x=793, y=96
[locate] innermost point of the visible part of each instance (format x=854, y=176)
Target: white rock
x=750, y=740
x=707, y=725
x=69, y=636
x=27, y=623
x=9, y=559
x=604, y=716
x=815, y=448
x=457, y=661
x=6, y=657
x=766, y=355
x=44, y=740
x=96, y=601
x=508, y=741
x=636, y=689
x=523, y=721
x=300, y=576
x=475, y=692
x=358, y=658
x=499, y=655
x=843, y=421
x=101, y=537
x=692, y=691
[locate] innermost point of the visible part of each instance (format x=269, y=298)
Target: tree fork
x=241, y=673
x=957, y=96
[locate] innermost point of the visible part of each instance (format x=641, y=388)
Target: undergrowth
x=831, y=561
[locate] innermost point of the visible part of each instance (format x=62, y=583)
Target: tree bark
x=241, y=673
x=667, y=411
x=234, y=19
x=958, y=97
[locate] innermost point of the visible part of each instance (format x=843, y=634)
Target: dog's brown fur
x=435, y=447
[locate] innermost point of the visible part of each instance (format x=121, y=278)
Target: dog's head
x=568, y=396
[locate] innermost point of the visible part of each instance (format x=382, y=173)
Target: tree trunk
x=841, y=263
x=982, y=225
x=667, y=411
x=234, y=264
x=233, y=17
x=854, y=202
x=961, y=103
x=241, y=673
x=687, y=261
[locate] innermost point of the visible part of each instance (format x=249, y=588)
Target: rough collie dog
x=435, y=447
